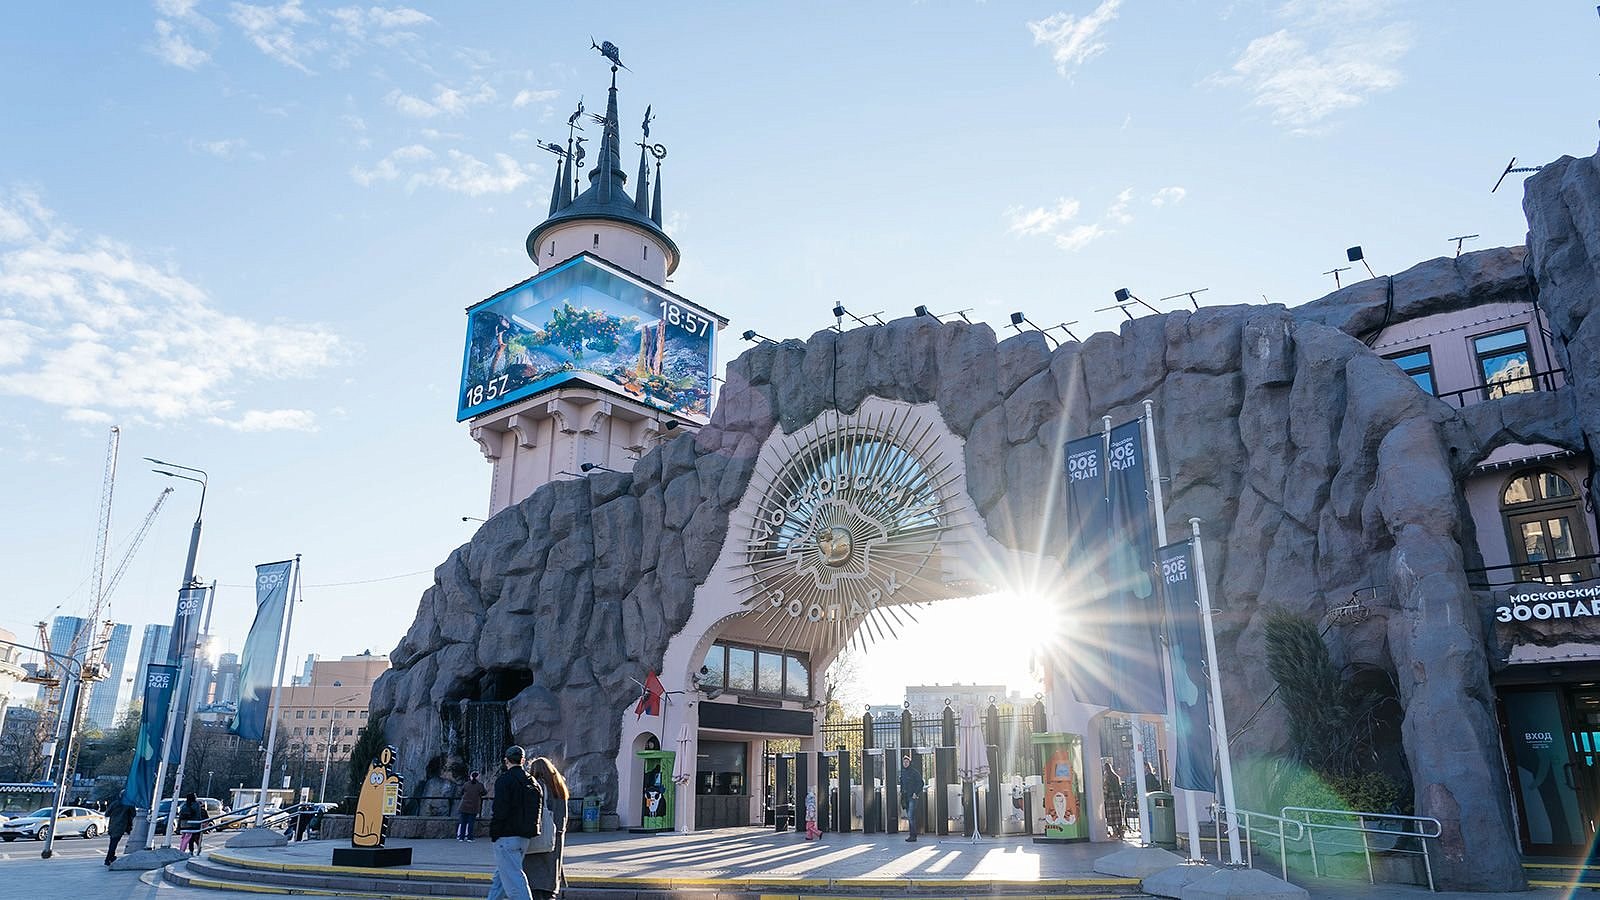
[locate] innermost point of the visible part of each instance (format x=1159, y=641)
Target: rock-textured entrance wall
x=1318, y=467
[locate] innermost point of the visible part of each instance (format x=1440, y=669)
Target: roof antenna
x=1335, y=273
x=1512, y=167
x=1189, y=294
x=1461, y=239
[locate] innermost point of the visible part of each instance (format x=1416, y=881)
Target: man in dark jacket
x=119, y=821
x=911, y=785
x=518, y=801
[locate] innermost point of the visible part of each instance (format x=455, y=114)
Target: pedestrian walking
x=119, y=821
x=911, y=785
x=518, y=801
x=471, y=807
x=1111, y=794
x=191, y=819
x=544, y=871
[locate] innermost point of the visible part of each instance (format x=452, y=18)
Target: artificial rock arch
x=1319, y=468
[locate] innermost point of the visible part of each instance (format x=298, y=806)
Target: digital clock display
x=584, y=322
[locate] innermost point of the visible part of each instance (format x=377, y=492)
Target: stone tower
x=592, y=361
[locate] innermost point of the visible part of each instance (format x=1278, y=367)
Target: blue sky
x=245, y=233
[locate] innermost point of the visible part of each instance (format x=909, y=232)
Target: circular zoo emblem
x=847, y=529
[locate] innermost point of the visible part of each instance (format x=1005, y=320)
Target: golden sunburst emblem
x=846, y=534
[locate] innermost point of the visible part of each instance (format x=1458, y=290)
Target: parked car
x=70, y=820
x=212, y=806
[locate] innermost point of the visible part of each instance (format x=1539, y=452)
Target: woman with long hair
x=545, y=878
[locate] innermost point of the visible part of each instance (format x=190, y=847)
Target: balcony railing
x=1535, y=381
x=1567, y=570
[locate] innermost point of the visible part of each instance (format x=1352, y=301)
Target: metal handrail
x=1366, y=832
x=1542, y=566
x=1498, y=390
x=1218, y=811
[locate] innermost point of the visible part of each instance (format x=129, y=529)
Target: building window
x=324, y=714
x=755, y=671
x=597, y=239
x=363, y=714
x=1504, y=361
x=1545, y=528
x=1419, y=365
x=299, y=714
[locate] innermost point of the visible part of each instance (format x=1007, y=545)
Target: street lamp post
x=184, y=654
x=327, y=759
x=68, y=665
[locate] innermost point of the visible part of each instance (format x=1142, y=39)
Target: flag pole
x=1224, y=756
x=1133, y=720
x=277, y=695
x=201, y=637
x=1191, y=813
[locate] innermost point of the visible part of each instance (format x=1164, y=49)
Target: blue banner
x=258, y=663
x=185, y=634
x=1131, y=602
x=1191, y=686
x=1088, y=663
x=159, y=680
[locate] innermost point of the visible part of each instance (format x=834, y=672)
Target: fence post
x=1283, y=852
x=1366, y=847
x=1311, y=838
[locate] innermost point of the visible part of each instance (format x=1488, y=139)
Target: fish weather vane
x=610, y=52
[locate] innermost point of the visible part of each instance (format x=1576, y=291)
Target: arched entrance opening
x=850, y=526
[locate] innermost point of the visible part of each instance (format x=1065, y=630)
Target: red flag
x=650, y=701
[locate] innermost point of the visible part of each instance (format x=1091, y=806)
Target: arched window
x=1545, y=528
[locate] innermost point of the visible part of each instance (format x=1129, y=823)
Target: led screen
x=583, y=322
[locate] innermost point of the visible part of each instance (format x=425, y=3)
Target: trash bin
x=591, y=814
x=1163, y=819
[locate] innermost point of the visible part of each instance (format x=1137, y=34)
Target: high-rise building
x=227, y=679
x=304, y=678
x=106, y=697
x=63, y=630
x=11, y=670
x=153, y=648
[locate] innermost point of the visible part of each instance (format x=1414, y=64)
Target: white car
x=71, y=820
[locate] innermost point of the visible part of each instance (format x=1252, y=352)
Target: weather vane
x=659, y=151
x=647, y=117
x=572, y=120
x=609, y=51
x=578, y=161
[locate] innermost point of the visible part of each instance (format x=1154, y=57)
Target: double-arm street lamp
x=73, y=669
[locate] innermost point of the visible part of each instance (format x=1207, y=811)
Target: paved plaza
x=691, y=863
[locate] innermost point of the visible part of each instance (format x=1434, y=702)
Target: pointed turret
x=555, y=189
x=655, y=207
x=641, y=192
x=596, y=219
x=608, y=173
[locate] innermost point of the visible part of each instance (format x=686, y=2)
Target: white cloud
x=256, y=420
x=1057, y=222
x=1173, y=195
x=526, y=97
x=223, y=149
x=1325, y=61
x=459, y=172
x=272, y=29
x=445, y=101
x=173, y=47
x=1041, y=220
x=1074, y=41
x=466, y=174
x=1081, y=236
x=91, y=326
x=389, y=168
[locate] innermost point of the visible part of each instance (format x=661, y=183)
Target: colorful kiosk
x=1059, y=813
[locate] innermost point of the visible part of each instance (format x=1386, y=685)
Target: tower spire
x=555, y=189
x=655, y=202
x=641, y=194
x=608, y=168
